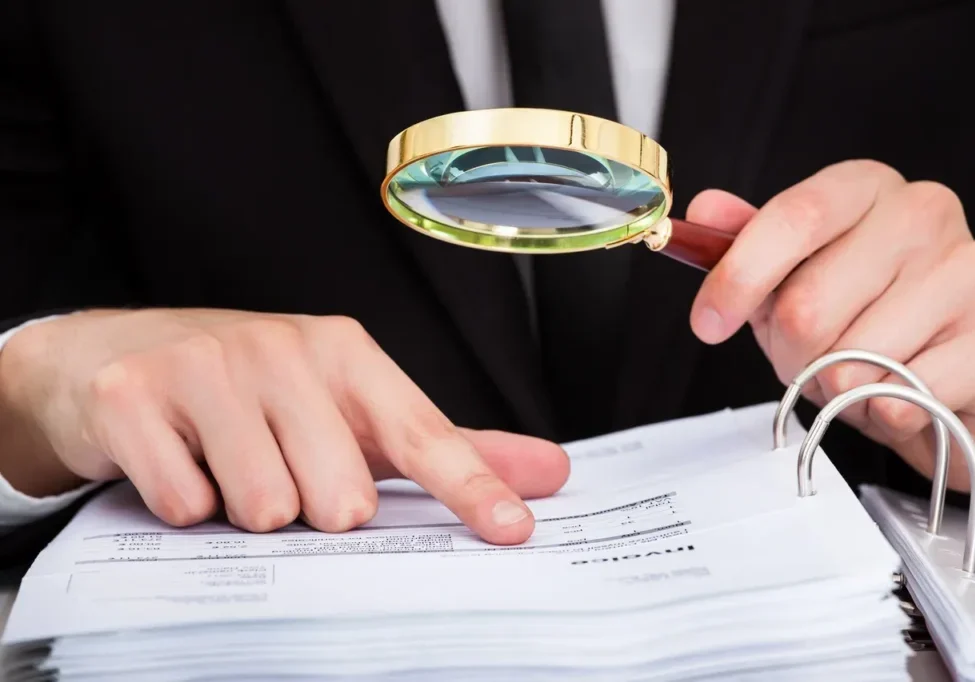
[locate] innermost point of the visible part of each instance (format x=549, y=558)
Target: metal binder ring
x=939, y=480
x=935, y=408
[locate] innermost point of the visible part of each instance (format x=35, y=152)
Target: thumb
x=721, y=210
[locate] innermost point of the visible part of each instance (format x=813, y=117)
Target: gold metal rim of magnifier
x=534, y=128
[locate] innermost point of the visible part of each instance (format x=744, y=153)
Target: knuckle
x=347, y=333
x=341, y=326
x=842, y=377
x=796, y=314
x=118, y=383
x=871, y=167
x=931, y=201
x=182, y=510
x=274, y=334
x=897, y=417
x=264, y=509
x=112, y=393
x=275, y=339
x=351, y=509
x=344, y=350
x=803, y=212
x=201, y=353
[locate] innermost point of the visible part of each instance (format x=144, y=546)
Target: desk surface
x=923, y=667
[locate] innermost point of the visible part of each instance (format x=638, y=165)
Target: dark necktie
x=559, y=60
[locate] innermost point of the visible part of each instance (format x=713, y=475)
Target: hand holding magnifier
x=540, y=181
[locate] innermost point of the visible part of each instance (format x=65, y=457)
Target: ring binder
x=935, y=591
x=939, y=482
x=924, y=400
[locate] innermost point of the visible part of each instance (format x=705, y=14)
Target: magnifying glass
x=540, y=181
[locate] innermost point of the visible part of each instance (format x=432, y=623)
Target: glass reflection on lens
x=532, y=190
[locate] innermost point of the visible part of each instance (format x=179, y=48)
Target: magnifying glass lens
x=528, y=191
x=524, y=180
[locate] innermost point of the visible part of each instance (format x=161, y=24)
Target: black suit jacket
x=230, y=154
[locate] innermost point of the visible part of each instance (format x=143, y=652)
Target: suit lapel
x=385, y=65
x=729, y=71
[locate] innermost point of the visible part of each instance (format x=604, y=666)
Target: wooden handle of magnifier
x=696, y=245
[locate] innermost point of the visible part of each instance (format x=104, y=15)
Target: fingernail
x=709, y=325
x=507, y=513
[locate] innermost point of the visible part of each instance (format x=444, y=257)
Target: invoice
x=644, y=502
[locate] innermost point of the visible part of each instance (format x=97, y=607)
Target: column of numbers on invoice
x=644, y=517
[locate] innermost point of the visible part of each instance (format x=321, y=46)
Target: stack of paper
x=932, y=568
x=675, y=551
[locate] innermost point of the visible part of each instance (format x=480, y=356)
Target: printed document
x=675, y=537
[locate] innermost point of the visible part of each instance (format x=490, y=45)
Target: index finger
x=784, y=232
x=419, y=440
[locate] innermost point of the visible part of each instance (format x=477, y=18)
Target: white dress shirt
x=639, y=34
x=638, y=37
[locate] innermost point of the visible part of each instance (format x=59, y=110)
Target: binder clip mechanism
x=917, y=393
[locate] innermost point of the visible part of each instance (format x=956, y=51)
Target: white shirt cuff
x=16, y=508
